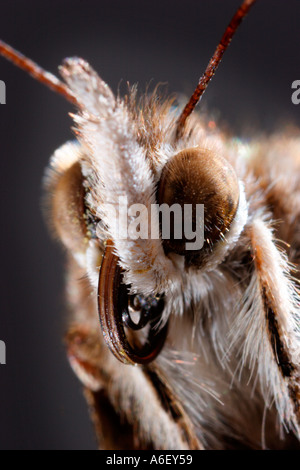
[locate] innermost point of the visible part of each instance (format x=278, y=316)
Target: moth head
x=128, y=156
x=128, y=165
x=132, y=153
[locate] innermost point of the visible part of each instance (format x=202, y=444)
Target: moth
x=196, y=349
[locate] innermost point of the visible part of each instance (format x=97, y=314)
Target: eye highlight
x=197, y=176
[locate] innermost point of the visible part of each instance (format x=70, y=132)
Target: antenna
x=213, y=64
x=47, y=78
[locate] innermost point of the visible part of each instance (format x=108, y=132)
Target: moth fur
x=228, y=375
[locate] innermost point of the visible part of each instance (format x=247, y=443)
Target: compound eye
x=67, y=204
x=199, y=176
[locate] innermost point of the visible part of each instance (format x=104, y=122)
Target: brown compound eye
x=197, y=176
x=72, y=219
x=68, y=209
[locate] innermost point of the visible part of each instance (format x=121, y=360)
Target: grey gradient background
x=41, y=403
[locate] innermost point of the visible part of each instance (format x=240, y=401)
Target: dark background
x=41, y=403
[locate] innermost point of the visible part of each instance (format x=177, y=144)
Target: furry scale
x=228, y=376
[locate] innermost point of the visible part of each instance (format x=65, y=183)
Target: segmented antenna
x=47, y=78
x=213, y=64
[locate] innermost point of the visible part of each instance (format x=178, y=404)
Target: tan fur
x=217, y=381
